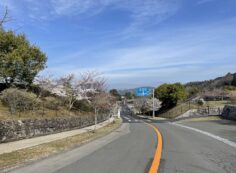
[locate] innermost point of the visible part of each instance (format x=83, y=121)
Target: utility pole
x=153, y=95
x=95, y=119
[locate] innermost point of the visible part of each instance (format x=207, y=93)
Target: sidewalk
x=26, y=143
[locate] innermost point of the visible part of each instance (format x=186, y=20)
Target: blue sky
x=132, y=42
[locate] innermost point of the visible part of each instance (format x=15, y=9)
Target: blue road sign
x=143, y=91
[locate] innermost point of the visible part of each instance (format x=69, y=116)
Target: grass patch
x=210, y=118
x=41, y=151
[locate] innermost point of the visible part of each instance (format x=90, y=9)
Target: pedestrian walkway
x=26, y=143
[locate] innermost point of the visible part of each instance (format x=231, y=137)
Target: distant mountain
x=122, y=92
x=217, y=83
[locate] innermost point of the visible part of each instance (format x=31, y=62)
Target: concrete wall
x=11, y=130
x=201, y=112
x=229, y=112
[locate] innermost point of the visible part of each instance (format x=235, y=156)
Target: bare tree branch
x=93, y=80
x=45, y=83
x=6, y=18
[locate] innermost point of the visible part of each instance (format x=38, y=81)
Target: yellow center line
x=157, y=156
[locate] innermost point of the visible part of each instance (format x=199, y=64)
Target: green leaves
x=170, y=94
x=115, y=93
x=19, y=61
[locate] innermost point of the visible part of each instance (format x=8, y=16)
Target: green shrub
x=19, y=100
x=200, y=102
x=83, y=105
x=170, y=94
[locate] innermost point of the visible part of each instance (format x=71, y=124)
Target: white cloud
x=71, y=7
x=150, y=12
x=140, y=11
x=204, y=1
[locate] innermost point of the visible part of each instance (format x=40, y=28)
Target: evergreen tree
x=20, y=61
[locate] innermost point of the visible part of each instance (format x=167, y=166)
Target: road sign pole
x=153, y=111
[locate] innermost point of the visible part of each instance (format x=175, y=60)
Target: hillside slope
x=217, y=83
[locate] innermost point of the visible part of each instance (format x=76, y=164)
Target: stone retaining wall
x=11, y=130
x=229, y=112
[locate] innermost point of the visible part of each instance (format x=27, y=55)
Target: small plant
x=201, y=102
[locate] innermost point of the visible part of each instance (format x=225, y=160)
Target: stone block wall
x=11, y=130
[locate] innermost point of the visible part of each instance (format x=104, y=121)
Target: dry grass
x=29, y=154
x=216, y=103
x=232, y=94
x=210, y=118
x=38, y=114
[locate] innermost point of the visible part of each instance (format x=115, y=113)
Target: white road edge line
x=226, y=141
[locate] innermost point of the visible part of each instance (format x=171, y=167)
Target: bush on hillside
x=39, y=91
x=52, y=103
x=170, y=94
x=83, y=105
x=18, y=100
x=201, y=102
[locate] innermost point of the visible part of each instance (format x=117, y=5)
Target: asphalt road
x=131, y=149
x=222, y=128
x=188, y=151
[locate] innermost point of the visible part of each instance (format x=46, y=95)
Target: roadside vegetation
x=144, y=105
x=170, y=95
x=115, y=94
x=208, y=118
